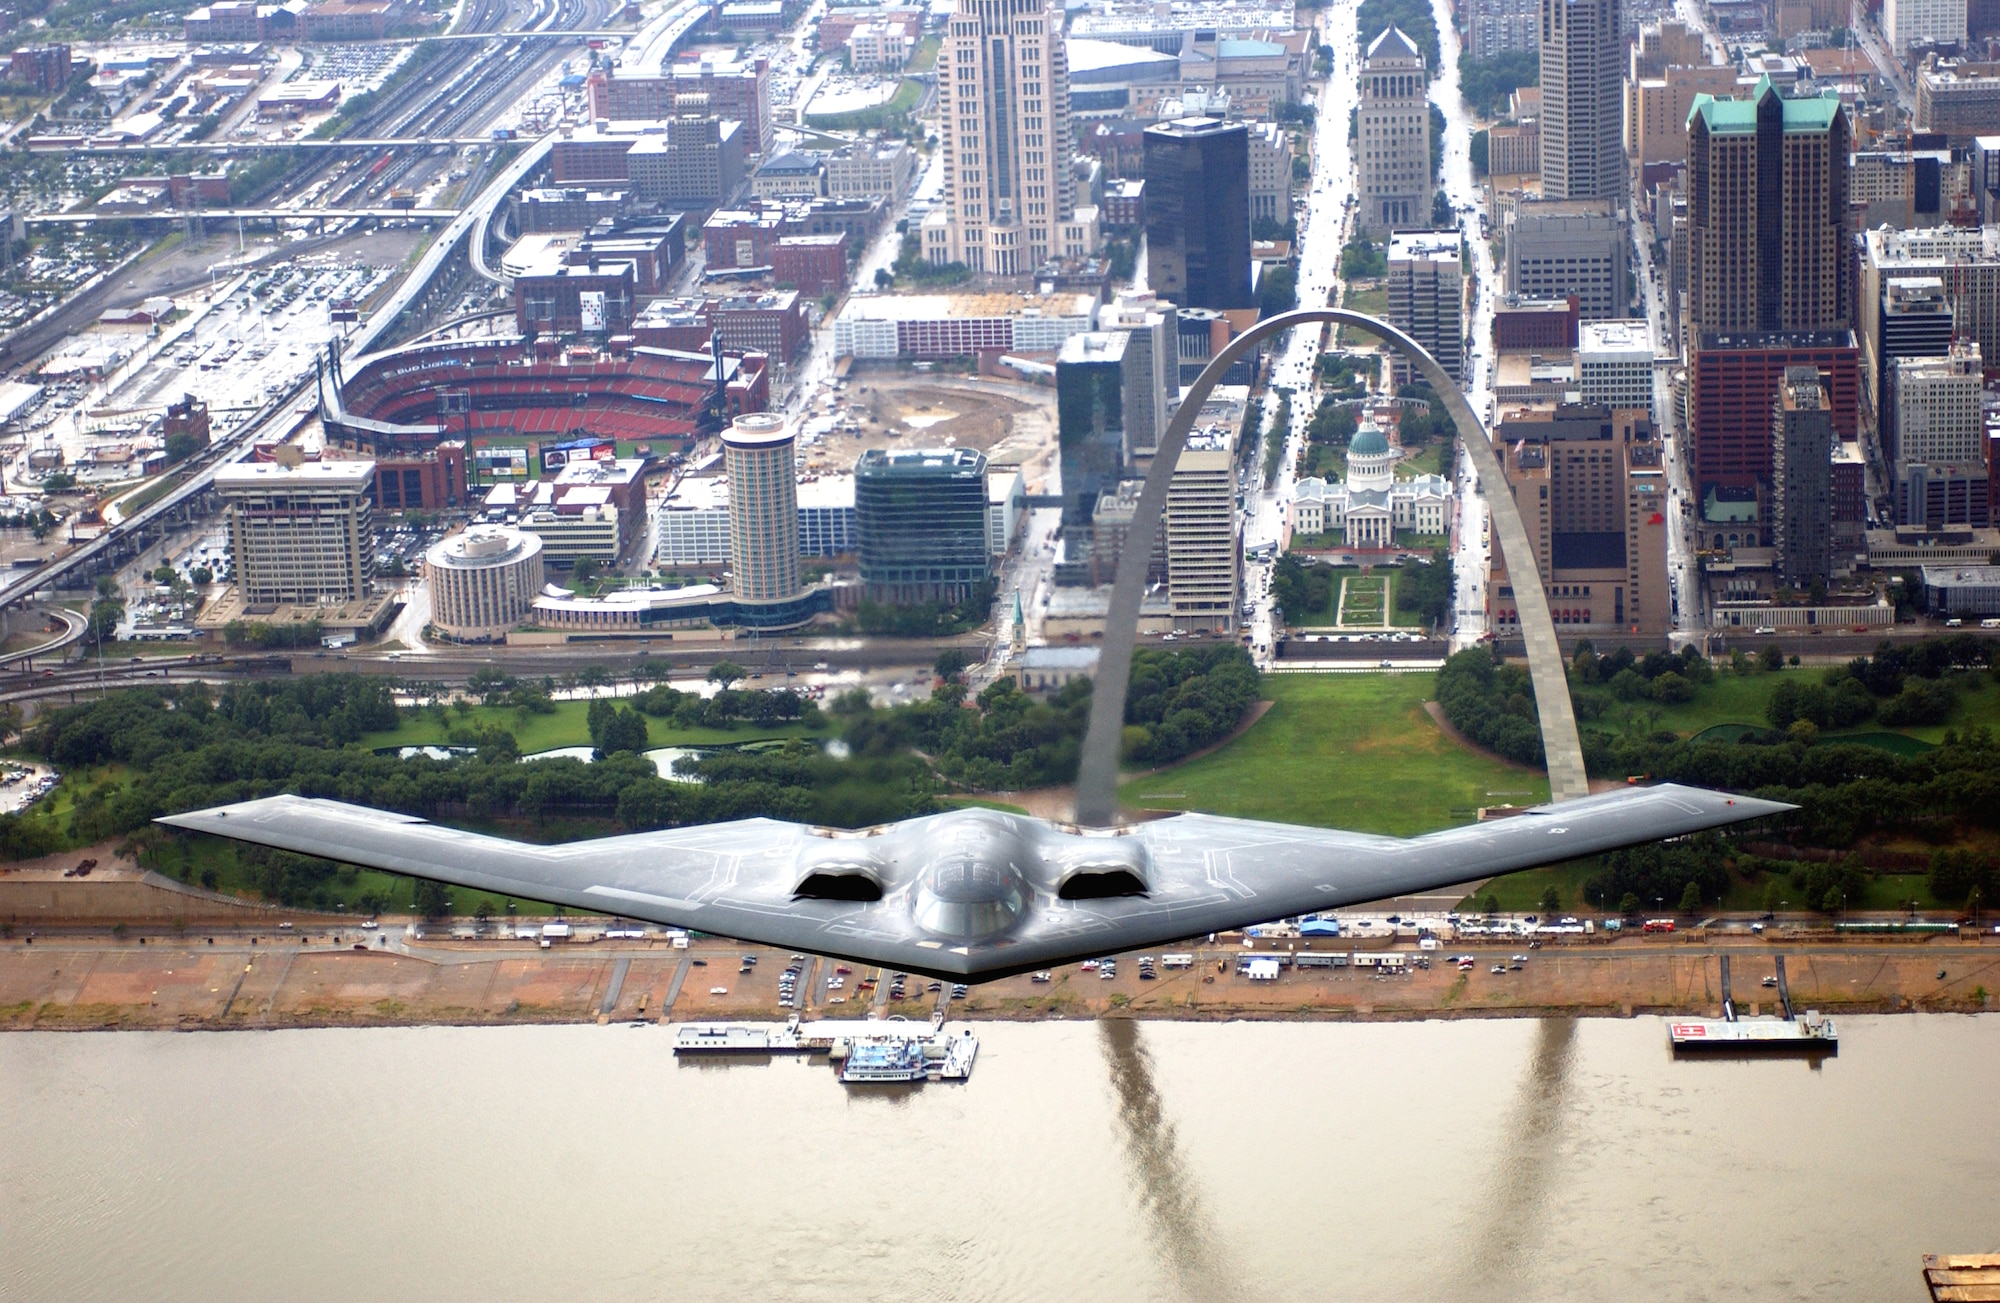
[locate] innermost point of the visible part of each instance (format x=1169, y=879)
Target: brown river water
x=1101, y=1161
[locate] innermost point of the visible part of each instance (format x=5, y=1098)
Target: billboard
x=500, y=463
x=557, y=456
x=592, y=303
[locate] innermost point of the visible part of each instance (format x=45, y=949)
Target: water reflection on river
x=1105, y=1161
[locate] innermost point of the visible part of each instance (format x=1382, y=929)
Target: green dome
x=1368, y=442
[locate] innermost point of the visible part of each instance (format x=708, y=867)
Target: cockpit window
x=966, y=897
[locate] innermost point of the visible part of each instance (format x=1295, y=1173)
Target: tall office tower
x=1204, y=560
x=1802, y=442
x=1003, y=98
x=1767, y=215
x=1427, y=296
x=1913, y=319
x=1923, y=22
x=1568, y=248
x=759, y=455
x=1583, y=65
x=1152, y=364
x=1965, y=259
x=921, y=517
x=1937, y=453
x=1090, y=436
x=1270, y=173
x=1592, y=488
x=299, y=534
x=1198, y=212
x=1614, y=364
x=1494, y=27
x=1393, y=149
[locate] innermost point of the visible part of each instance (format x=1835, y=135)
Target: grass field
x=567, y=727
x=1351, y=751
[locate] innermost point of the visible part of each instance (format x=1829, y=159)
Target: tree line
x=1846, y=791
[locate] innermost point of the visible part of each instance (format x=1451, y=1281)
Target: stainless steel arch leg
x=1097, y=777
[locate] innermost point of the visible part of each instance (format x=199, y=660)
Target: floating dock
x=749, y=1038
x=866, y=1053
x=1812, y=1034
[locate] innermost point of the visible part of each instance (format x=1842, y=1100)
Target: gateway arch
x=1097, y=776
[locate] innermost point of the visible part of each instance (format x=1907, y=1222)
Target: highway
x=285, y=408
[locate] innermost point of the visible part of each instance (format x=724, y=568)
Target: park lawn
x=1354, y=751
x=1424, y=461
x=1397, y=616
x=1374, y=302
x=924, y=58
x=1521, y=893
x=568, y=726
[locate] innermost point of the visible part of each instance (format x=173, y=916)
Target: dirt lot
x=185, y=981
x=1007, y=420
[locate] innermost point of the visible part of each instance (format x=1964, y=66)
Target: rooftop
x=920, y=461
x=1615, y=337
x=265, y=476
x=1739, y=116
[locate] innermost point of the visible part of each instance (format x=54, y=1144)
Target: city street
x=1323, y=227
x=1455, y=179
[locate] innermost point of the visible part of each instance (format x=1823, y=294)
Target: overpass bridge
x=247, y=214
x=282, y=412
x=303, y=143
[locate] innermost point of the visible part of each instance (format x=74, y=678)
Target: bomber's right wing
x=1213, y=874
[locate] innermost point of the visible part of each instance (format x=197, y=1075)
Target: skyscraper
x=1204, y=559
x=1802, y=479
x=1198, y=212
x=1767, y=214
x=1090, y=427
x=1393, y=147
x=758, y=453
x=1769, y=281
x=1152, y=363
x=921, y=517
x=1583, y=65
x=1003, y=100
x=1591, y=485
x=1427, y=296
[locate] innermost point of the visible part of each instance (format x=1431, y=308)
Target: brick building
x=432, y=482
x=774, y=324
x=597, y=297
x=811, y=264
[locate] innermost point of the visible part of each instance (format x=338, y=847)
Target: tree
x=1278, y=291
x=1551, y=900
x=725, y=673
x=1691, y=898
x=202, y=576
x=1771, y=658
x=429, y=899
x=584, y=569
x=950, y=663
x=1771, y=901
x=1491, y=905
x=483, y=911
x=1628, y=905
